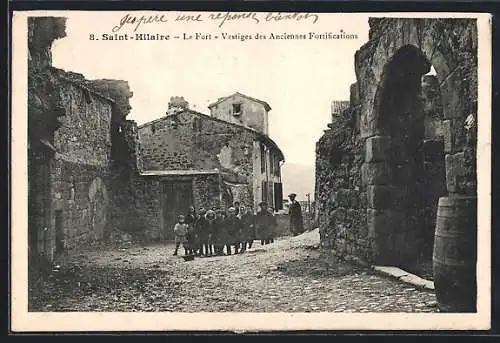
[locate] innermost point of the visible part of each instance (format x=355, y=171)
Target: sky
x=298, y=78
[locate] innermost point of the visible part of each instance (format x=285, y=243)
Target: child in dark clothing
x=247, y=228
x=233, y=230
x=191, y=235
x=201, y=233
x=221, y=234
x=211, y=227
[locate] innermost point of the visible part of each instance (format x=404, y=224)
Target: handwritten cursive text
x=128, y=19
x=273, y=16
x=228, y=16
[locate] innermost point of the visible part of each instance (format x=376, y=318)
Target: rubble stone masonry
x=75, y=127
x=402, y=143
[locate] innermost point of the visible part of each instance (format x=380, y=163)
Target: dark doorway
x=402, y=119
x=278, y=196
x=59, y=224
x=39, y=201
x=177, y=197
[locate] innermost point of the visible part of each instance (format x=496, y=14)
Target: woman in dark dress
x=233, y=230
x=221, y=236
x=211, y=227
x=266, y=224
x=247, y=228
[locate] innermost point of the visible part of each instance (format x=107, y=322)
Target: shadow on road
x=315, y=266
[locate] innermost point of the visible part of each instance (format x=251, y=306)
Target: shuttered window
x=264, y=190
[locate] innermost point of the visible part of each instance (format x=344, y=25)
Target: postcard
x=249, y=171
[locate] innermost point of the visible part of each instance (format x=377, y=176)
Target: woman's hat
x=210, y=213
x=292, y=195
x=263, y=203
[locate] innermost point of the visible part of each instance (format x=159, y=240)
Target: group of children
x=208, y=232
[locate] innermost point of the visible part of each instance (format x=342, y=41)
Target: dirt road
x=286, y=276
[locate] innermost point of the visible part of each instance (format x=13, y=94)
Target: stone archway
x=395, y=160
x=389, y=124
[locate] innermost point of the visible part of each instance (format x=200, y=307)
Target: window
x=265, y=189
x=262, y=159
x=236, y=109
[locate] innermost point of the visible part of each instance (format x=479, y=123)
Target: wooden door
x=177, y=197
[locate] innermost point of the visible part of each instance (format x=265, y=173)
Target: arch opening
x=410, y=119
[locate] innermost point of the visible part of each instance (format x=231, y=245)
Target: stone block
x=379, y=197
x=350, y=217
x=354, y=94
x=354, y=198
x=376, y=173
x=378, y=148
x=455, y=171
x=447, y=135
x=453, y=103
x=363, y=200
x=367, y=125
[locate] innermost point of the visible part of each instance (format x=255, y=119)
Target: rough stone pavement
x=286, y=276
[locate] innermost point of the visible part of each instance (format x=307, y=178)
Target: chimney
x=178, y=102
x=338, y=107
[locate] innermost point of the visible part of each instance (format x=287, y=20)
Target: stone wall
x=76, y=127
x=45, y=107
x=341, y=196
x=207, y=190
x=383, y=163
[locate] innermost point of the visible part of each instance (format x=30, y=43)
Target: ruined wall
x=45, y=107
x=253, y=114
x=341, y=197
x=79, y=197
x=166, y=144
x=207, y=190
x=81, y=178
x=411, y=135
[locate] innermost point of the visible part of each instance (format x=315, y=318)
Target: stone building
x=89, y=179
x=73, y=135
x=403, y=142
x=191, y=158
x=242, y=110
